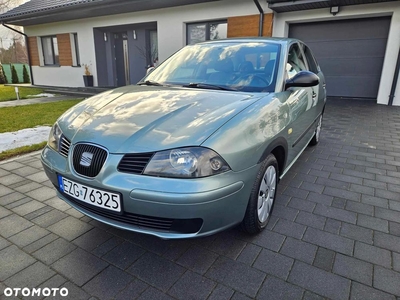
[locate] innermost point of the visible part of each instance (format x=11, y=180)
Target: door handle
x=314, y=95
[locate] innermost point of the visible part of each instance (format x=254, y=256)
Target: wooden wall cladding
x=33, y=51
x=248, y=25
x=64, y=49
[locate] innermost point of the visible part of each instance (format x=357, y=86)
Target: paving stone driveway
x=335, y=230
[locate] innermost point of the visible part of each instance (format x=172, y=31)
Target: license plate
x=96, y=197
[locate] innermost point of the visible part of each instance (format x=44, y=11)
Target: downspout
x=260, y=26
x=395, y=79
x=27, y=48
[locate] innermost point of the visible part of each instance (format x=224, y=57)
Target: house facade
x=357, y=45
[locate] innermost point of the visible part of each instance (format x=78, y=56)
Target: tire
x=262, y=197
x=315, y=139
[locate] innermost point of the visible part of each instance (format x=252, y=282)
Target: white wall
x=281, y=29
x=171, y=26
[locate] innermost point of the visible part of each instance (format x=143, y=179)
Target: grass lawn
x=7, y=93
x=21, y=150
x=29, y=116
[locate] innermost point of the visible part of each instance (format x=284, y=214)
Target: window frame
x=207, y=24
x=310, y=59
x=76, y=49
x=55, y=63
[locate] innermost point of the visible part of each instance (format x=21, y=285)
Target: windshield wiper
x=208, y=86
x=149, y=82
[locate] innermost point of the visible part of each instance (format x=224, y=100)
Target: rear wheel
x=262, y=197
x=315, y=139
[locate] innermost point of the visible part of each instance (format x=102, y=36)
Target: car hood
x=142, y=118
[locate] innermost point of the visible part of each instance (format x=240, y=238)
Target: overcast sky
x=6, y=35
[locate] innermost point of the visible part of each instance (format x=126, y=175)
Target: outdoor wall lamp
x=334, y=10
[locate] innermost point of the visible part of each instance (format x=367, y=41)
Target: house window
x=76, y=49
x=206, y=31
x=50, y=51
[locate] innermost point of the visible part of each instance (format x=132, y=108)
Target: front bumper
x=194, y=207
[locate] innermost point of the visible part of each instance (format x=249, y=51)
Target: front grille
x=65, y=144
x=95, y=163
x=146, y=222
x=135, y=163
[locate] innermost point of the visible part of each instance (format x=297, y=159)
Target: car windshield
x=238, y=66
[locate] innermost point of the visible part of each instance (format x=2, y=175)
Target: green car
x=198, y=145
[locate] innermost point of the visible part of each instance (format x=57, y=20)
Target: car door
x=300, y=102
x=319, y=91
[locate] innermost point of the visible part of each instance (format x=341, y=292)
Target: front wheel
x=315, y=139
x=262, y=197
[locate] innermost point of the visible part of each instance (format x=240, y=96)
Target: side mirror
x=149, y=70
x=302, y=79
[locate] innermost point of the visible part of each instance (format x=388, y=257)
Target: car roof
x=276, y=40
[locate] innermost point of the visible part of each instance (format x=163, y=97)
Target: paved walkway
x=34, y=101
x=335, y=231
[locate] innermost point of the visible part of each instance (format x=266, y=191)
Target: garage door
x=350, y=53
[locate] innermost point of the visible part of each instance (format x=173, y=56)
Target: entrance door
x=121, y=58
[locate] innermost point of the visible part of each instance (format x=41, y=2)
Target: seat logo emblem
x=86, y=159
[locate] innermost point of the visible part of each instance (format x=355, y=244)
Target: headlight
x=54, y=137
x=190, y=162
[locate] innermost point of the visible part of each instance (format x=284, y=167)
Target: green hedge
x=18, y=67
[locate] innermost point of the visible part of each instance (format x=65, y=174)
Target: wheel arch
x=279, y=148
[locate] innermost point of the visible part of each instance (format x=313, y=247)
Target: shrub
x=14, y=75
x=25, y=75
x=3, y=77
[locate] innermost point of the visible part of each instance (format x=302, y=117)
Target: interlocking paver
x=274, y=263
x=353, y=268
x=329, y=240
x=276, y=289
x=197, y=259
x=133, y=290
x=236, y=275
x=156, y=271
x=363, y=292
x=54, y=251
x=319, y=281
x=13, y=260
x=324, y=259
x=332, y=226
x=28, y=236
x=192, y=286
x=12, y=224
x=221, y=292
x=311, y=220
x=124, y=255
x=249, y=254
x=373, y=223
x=70, y=228
x=31, y=277
x=79, y=266
x=299, y=250
x=387, y=241
x=357, y=233
x=387, y=280
x=108, y=283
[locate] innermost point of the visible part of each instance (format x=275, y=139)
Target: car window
x=243, y=66
x=295, y=62
x=312, y=63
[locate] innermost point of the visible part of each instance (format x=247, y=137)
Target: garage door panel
x=349, y=67
x=354, y=29
x=353, y=48
x=339, y=86
x=350, y=53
